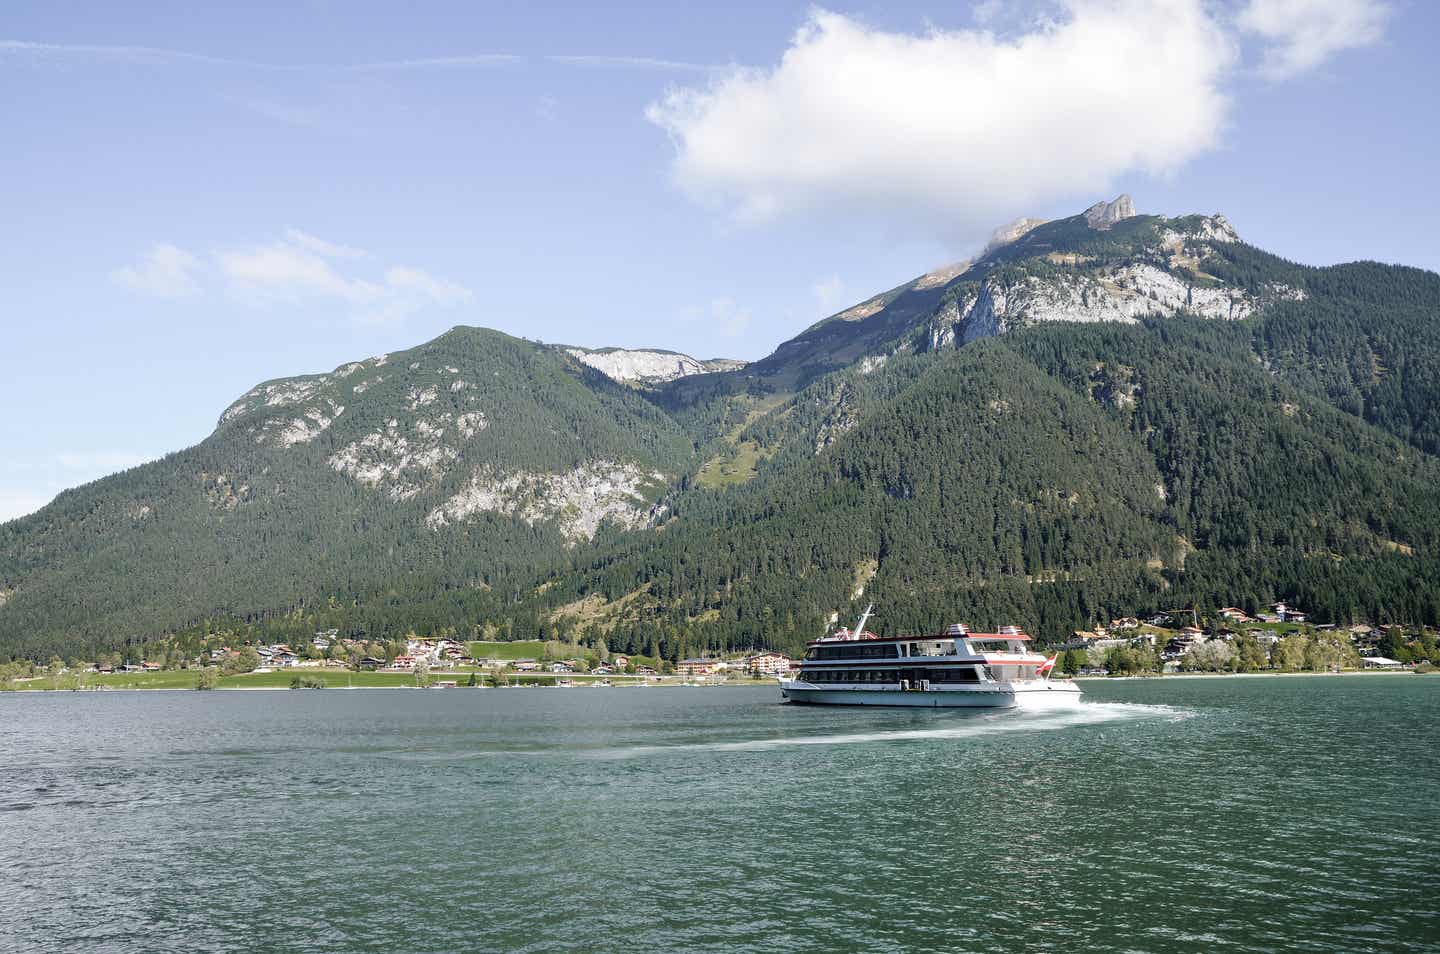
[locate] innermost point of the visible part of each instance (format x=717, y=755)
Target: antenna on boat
x=860, y=626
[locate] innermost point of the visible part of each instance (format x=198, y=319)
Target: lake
x=1225, y=814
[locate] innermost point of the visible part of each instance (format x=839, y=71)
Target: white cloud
x=154, y=56
x=1304, y=33
x=731, y=318
x=636, y=62
x=297, y=266
x=166, y=271
x=955, y=129
x=288, y=267
x=829, y=292
x=321, y=247
x=302, y=265
x=402, y=278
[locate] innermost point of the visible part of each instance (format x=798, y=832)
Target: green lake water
x=1243, y=814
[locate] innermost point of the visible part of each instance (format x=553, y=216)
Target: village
x=1282, y=638
x=1232, y=640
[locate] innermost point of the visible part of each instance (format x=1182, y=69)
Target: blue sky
x=197, y=199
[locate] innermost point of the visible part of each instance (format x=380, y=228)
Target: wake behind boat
x=956, y=668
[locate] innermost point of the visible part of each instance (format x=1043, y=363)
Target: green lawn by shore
x=333, y=678
x=520, y=649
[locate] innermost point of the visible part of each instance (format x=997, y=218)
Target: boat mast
x=860, y=626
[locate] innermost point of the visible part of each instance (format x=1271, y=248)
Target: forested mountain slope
x=1057, y=475
x=470, y=457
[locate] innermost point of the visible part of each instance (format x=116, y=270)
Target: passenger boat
x=952, y=669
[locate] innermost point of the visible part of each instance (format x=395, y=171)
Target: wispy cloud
x=828, y=291
x=294, y=267
x=152, y=55
x=632, y=62
x=321, y=247
x=288, y=268
x=165, y=271
x=725, y=313
x=302, y=265
x=1302, y=34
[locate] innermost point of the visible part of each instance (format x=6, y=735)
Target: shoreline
x=677, y=685
x=1252, y=675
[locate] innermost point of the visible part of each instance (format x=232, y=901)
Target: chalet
x=768, y=663
x=699, y=667
x=602, y=670
x=1189, y=638
x=1269, y=618
x=1234, y=614
x=1125, y=622
x=1288, y=614
x=403, y=661
x=645, y=670
x=370, y=662
x=526, y=665
x=620, y=661
x=150, y=666
x=561, y=667
x=1159, y=619
x=1085, y=639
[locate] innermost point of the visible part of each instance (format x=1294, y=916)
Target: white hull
x=1033, y=694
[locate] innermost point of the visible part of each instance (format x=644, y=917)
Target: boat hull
x=1044, y=695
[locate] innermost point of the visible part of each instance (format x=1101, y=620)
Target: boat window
x=853, y=651
x=962, y=674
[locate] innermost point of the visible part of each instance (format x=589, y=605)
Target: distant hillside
x=1104, y=414
x=468, y=458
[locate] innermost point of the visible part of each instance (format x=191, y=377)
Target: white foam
x=968, y=726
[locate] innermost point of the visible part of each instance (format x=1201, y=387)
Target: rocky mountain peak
x=1102, y=214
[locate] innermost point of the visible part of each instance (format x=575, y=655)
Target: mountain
x=1102, y=414
x=463, y=458
x=1105, y=264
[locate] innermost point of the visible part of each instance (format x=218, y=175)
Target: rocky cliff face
x=421, y=428
x=1102, y=215
x=642, y=366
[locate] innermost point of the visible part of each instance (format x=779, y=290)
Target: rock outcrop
x=643, y=366
x=1102, y=215
x=577, y=501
